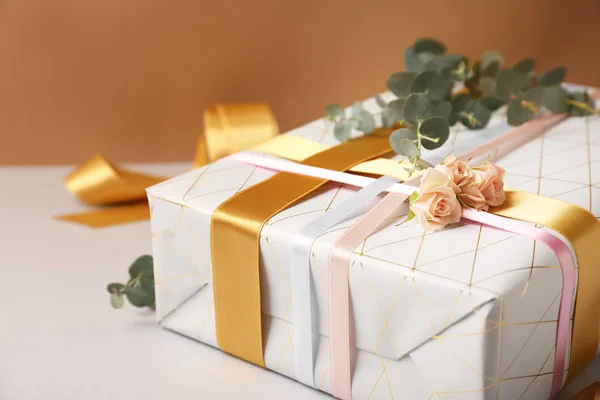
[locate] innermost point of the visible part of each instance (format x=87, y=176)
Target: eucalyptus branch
x=440, y=89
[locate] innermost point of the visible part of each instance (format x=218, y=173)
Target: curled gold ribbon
x=228, y=128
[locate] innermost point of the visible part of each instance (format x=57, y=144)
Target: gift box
x=469, y=312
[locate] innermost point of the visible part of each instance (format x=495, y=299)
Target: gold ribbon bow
x=228, y=129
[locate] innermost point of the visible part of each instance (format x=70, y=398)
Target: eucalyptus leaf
x=143, y=266
x=115, y=288
x=429, y=45
x=147, y=285
x=386, y=119
x=525, y=66
x=436, y=128
x=117, y=300
x=422, y=82
x=580, y=97
x=535, y=95
x=442, y=108
x=488, y=85
x=479, y=115
x=357, y=109
x=555, y=99
x=553, y=77
x=380, y=101
x=459, y=104
x=407, y=148
x=492, y=69
x=491, y=56
x=444, y=61
x=335, y=110
x=396, y=109
x=510, y=83
x=417, y=106
x=413, y=62
x=342, y=130
x=398, y=141
x=516, y=114
x=400, y=83
x=366, y=122
x=492, y=103
x=138, y=297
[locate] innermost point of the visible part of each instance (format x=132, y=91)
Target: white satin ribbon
x=304, y=307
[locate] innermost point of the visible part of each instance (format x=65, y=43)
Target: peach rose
x=489, y=179
x=472, y=197
x=459, y=171
x=437, y=205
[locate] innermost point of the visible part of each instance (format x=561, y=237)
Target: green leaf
x=417, y=107
x=555, y=99
x=144, y=266
x=422, y=81
x=490, y=57
x=510, y=83
x=492, y=69
x=581, y=97
x=357, y=109
x=492, y=103
x=429, y=45
x=444, y=61
x=459, y=103
x=398, y=140
x=525, y=66
x=535, y=95
x=115, y=288
x=413, y=197
x=516, y=114
x=399, y=83
x=433, y=83
x=396, y=109
x=412, y=61
x=479, y=115
x=407, y=148
x=442, y=108
x=386, y=119
x=553, y=77
x=366, y=122
x=116, y=300
x=436, y=128
x=411, y=215
x=138, y=297
x=335, y=110
x=342, y=130
x=147, y=285
x=488, y=85
x=380, y=101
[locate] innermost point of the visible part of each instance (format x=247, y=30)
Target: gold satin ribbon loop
x=97, y=182
x=231, y=128
x=235, y=236
x=228, y=128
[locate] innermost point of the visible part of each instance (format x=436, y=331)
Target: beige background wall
x=130, y=78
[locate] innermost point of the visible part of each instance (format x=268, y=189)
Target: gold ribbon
x=582, y=229
x=591, y=392
x=228, y=129
x=235, y=235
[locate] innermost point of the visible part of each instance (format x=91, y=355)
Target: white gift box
x=469, y=312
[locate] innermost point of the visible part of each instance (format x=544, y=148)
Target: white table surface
x=61, y=339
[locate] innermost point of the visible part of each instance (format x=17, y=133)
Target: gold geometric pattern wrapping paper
x=466, y=313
